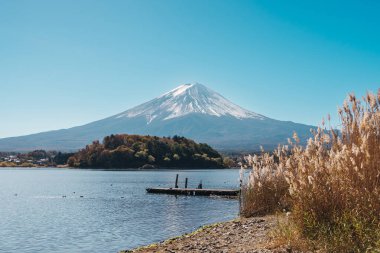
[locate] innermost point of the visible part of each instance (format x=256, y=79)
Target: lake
x=114, y=212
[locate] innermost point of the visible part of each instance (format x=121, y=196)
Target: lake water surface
x=114, y=213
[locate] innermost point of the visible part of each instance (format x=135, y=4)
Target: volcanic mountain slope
x=190, y=110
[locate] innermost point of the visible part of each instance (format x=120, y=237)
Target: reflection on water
x=60, y=210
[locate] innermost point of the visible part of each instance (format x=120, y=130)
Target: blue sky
x=66, y=63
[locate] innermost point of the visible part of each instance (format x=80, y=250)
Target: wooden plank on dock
x=194, y=191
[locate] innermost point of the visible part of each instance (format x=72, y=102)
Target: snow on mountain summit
x=190, y=110
x=186, y=99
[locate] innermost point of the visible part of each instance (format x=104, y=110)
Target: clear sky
x=66, y=63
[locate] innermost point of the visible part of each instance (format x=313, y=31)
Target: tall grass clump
x=266, y=188
x=333, y=182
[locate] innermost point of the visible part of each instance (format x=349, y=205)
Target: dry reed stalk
x=333, y=183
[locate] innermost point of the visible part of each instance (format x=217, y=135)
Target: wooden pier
x=194, y=191
x=199, y=191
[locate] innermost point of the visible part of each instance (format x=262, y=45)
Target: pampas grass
x=332, y=184
x=266, y=188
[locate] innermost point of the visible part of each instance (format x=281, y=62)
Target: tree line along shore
x=128, y=151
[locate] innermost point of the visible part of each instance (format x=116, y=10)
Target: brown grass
x=333, y=183
x=266, y=189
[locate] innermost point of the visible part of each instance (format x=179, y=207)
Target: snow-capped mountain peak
x=180, y=89
x=190, y=110
x=187, y=99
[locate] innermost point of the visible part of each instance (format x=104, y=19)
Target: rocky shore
x=239, y=235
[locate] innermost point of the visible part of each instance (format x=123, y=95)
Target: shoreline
x=237, y=235
x=116, y=169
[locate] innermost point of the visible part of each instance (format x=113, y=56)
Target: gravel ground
x=240, y=235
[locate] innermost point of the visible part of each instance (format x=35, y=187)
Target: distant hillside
x=134, y=151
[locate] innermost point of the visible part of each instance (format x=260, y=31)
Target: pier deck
x=194, y=191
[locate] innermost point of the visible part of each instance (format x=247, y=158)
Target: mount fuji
x=190, y=110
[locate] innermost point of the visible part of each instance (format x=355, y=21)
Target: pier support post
x=176, y=181
x=185, y=183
